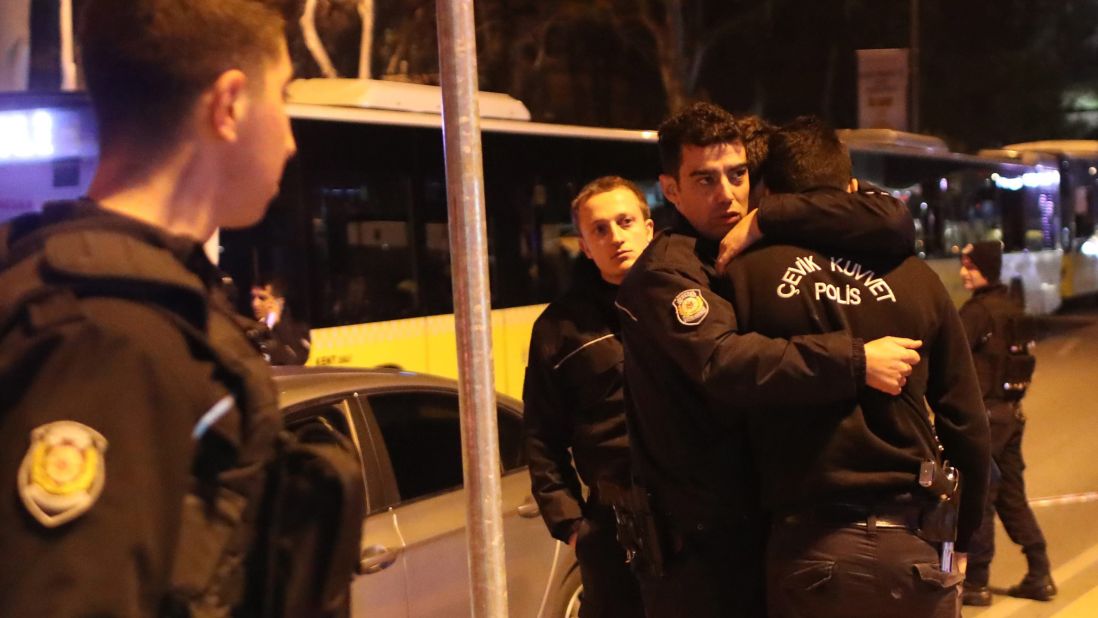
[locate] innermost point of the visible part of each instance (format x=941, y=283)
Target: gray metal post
x=472, y=310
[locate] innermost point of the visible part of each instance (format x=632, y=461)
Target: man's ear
x=853, y=186
x=586, y=251
x=670, y=188
x=650, y=225
x=225, y=104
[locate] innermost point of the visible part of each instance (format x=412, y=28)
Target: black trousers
x=610, y=590
x=1007, y=497
x=716, y=574
x=831, y=571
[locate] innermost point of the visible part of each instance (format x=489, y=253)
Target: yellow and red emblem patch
x=690, y=307
x=63, y=472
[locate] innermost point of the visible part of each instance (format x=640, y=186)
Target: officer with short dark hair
x=282, y=339
x=855, y=485
x=690, y=369
x=137, y=421
x=986, y=316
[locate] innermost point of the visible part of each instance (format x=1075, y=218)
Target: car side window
x=512, y=455
x=422, y=433
x=320, y=423
x=326, y=417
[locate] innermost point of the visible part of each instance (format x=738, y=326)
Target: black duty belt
x=887, y=515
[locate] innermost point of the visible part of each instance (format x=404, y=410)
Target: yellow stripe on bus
x=428, y=345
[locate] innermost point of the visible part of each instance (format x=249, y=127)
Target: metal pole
x=915, y=85
x=68, y=57
x=472, y=312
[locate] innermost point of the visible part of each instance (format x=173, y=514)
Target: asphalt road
x=1061, y=452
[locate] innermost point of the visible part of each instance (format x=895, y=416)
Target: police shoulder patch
x=690, y=307
x=63, y=472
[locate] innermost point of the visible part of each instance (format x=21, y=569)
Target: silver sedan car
x=413, y=555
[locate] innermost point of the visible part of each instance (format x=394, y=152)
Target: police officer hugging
x=864, y=457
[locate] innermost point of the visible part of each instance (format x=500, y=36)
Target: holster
x=938, y=522
x=640, y=533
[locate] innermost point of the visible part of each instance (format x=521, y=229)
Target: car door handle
x=376, y=558
x=529, y=509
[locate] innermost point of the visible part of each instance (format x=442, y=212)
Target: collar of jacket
x=87, y=245
x=990, y=289
x=705, y=248
x=60, y=218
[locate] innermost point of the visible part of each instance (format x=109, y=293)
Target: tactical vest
x=49, y=272
x=1002, y=355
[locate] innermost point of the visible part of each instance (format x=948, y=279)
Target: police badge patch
x=63, y=472
x=690, y=307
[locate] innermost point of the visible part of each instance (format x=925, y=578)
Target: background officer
x=842, y=477
x=282, y=339
x=690, y=368
x=986, y=318
x=573, y=395
x=136, y=419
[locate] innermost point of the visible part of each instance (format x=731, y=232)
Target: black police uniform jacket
x=984, y=317
x=866, y=446
x=287, y=343
x=572, y=400
x=691, y=368
x=122, y=339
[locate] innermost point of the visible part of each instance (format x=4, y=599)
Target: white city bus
x=957, y=199
x=1078, y=164
x=359, y=233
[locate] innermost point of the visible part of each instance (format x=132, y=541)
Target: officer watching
x=282, y=339
x=988, y=318
x=689, y=367
x=136, y=419
x=572, y=395
x=855, y=484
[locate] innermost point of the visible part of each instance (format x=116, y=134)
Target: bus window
x=359, y=229
x=956, y=200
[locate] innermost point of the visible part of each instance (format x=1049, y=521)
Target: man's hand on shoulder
x=888, y=362
x=738, y=239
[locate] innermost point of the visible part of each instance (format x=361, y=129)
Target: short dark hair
x=605, y=184
x=145, y=62
x=700, y=124
x=279, y=288
x=806, y=154
x=756, y=143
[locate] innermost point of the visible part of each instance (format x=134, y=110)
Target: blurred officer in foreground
x=859, y=490
x=690, y=369
x=137, y=422
x=1000, y=336
x=282, y=339
x=572, y=396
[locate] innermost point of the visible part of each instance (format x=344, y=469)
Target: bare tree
x=313, y=42
x=682, y=34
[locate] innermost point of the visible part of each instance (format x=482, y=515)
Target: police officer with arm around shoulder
x=863, y=490
x=574, y=415
x=1000, y=335
x=691, y=370
x=139, y=427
